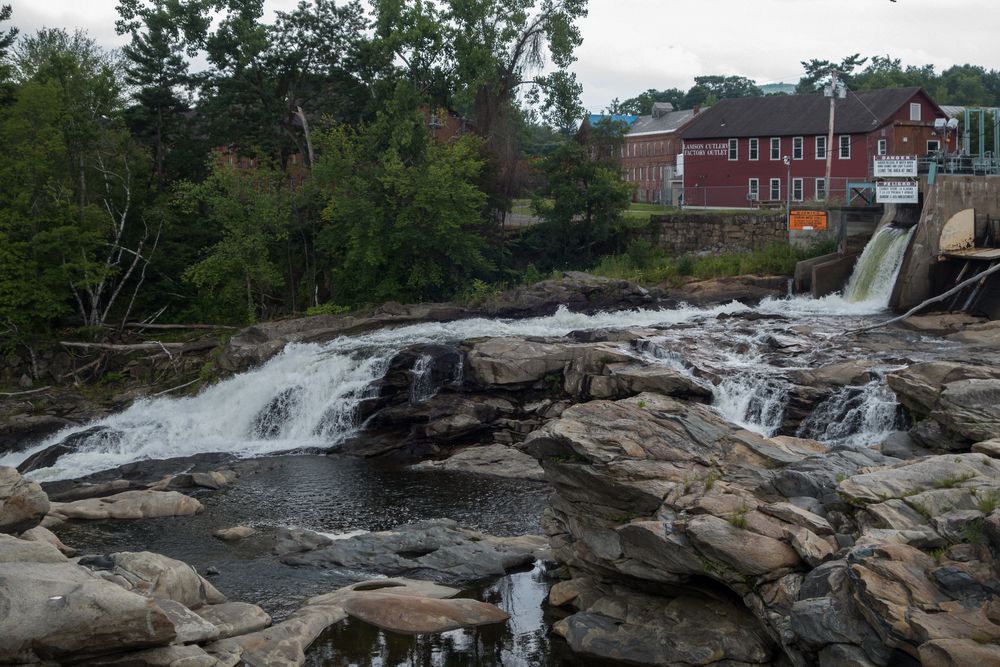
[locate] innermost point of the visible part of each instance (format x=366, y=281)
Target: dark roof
x=785, y=115
x=665, y=122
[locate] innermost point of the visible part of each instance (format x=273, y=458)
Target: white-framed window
x=821, y=189
x=845, y=147
x=820, y=148
x=797, y=189
x=754, y=149
x=933, y=145
x=775, y=148
x=734, y=149
x=797, y=148
x=883, y=146
x=775, y=189
x=914, y=111
x=621, y=151
x=753, y=189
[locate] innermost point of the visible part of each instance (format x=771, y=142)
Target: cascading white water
x=306, y=396
x=861, y=416
x=422, y=388
x=875, y=273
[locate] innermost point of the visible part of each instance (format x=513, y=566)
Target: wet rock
x=990, y=448
x=985, y=334
x=742, y=550
x=42, y=534
x=156, y=576
x=23, y=504
x=640, y=629
x=14, y=550
x=900, y=445
x=746, y=289
x=437, y=548
x=190, y=627
x=235, y=533
x=144, y=504
x=48, y=457
x=165, y=656
x=962, y=398
x=298, y=540
x=912, y=478
x=496, y=460
x=958, y=653
x=84, y=491
x=235, y=618
x=59, y=611
x=420, y=615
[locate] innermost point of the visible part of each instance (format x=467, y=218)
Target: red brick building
x=734, y=153
x=649, y=154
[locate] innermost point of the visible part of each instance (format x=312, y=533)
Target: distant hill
x=778, y=88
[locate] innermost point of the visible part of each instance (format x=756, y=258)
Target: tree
x=251, y=208
x=403, y=215
x=271, y=79
x=75, y=204
x=586, y=196
x=7, y=38
x=817, y=73
x=642, y=104
x=162, y=33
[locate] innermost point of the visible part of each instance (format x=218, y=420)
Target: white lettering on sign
x=897, y=192
x=895, y=166
x=700, y=150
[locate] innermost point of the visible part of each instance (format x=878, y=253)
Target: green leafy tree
x=642, y=104
x=586, y=197
x=7, y=38
x=817, y=72
x=163, y=33
x=251, y=209
x=403, y=218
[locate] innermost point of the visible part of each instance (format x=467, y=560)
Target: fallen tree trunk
x=140, y=325
x=120, y=347
x=934, y=299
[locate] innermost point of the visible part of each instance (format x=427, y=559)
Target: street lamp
x=788, y=190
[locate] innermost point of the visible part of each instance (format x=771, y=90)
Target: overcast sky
x=632, y=45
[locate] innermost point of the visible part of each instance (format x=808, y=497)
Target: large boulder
x=23, y=504
x=495, y=460
x=139, y=504
x=60, y=612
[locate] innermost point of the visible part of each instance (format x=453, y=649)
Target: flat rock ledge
x=438, y=549
x=689, y=541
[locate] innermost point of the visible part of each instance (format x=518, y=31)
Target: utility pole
x=829, y=136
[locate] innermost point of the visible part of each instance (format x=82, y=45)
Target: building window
x=883, y=146
x=753, y=189
x=845, y=147
x=734, y=149
x=933, y=145
x=775, y=189
x=754, y=148
x=797, y=150
x=797, y=189
x=820, y=148
x=775, y=148
x=821, y=189
x=914, y=111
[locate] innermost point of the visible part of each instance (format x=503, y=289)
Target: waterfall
x=875, y=273
x=422, y=387
x=862, y=416
x=305, y=397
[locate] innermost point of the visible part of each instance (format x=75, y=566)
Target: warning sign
x=897, y=192
x=895, y=166
x=807, y=220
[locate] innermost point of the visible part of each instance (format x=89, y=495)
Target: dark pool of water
x=340, y=494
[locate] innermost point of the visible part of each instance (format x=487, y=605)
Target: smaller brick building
x=649, y=154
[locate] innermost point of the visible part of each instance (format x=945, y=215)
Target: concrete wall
x=946, y=197
x=692, y=232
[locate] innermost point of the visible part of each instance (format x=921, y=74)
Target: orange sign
x=808, y=220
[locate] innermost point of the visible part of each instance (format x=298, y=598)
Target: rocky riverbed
x=730, y=484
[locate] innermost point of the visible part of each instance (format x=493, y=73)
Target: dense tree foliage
x=336, y=154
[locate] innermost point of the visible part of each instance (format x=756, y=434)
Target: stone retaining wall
x=692, y=232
